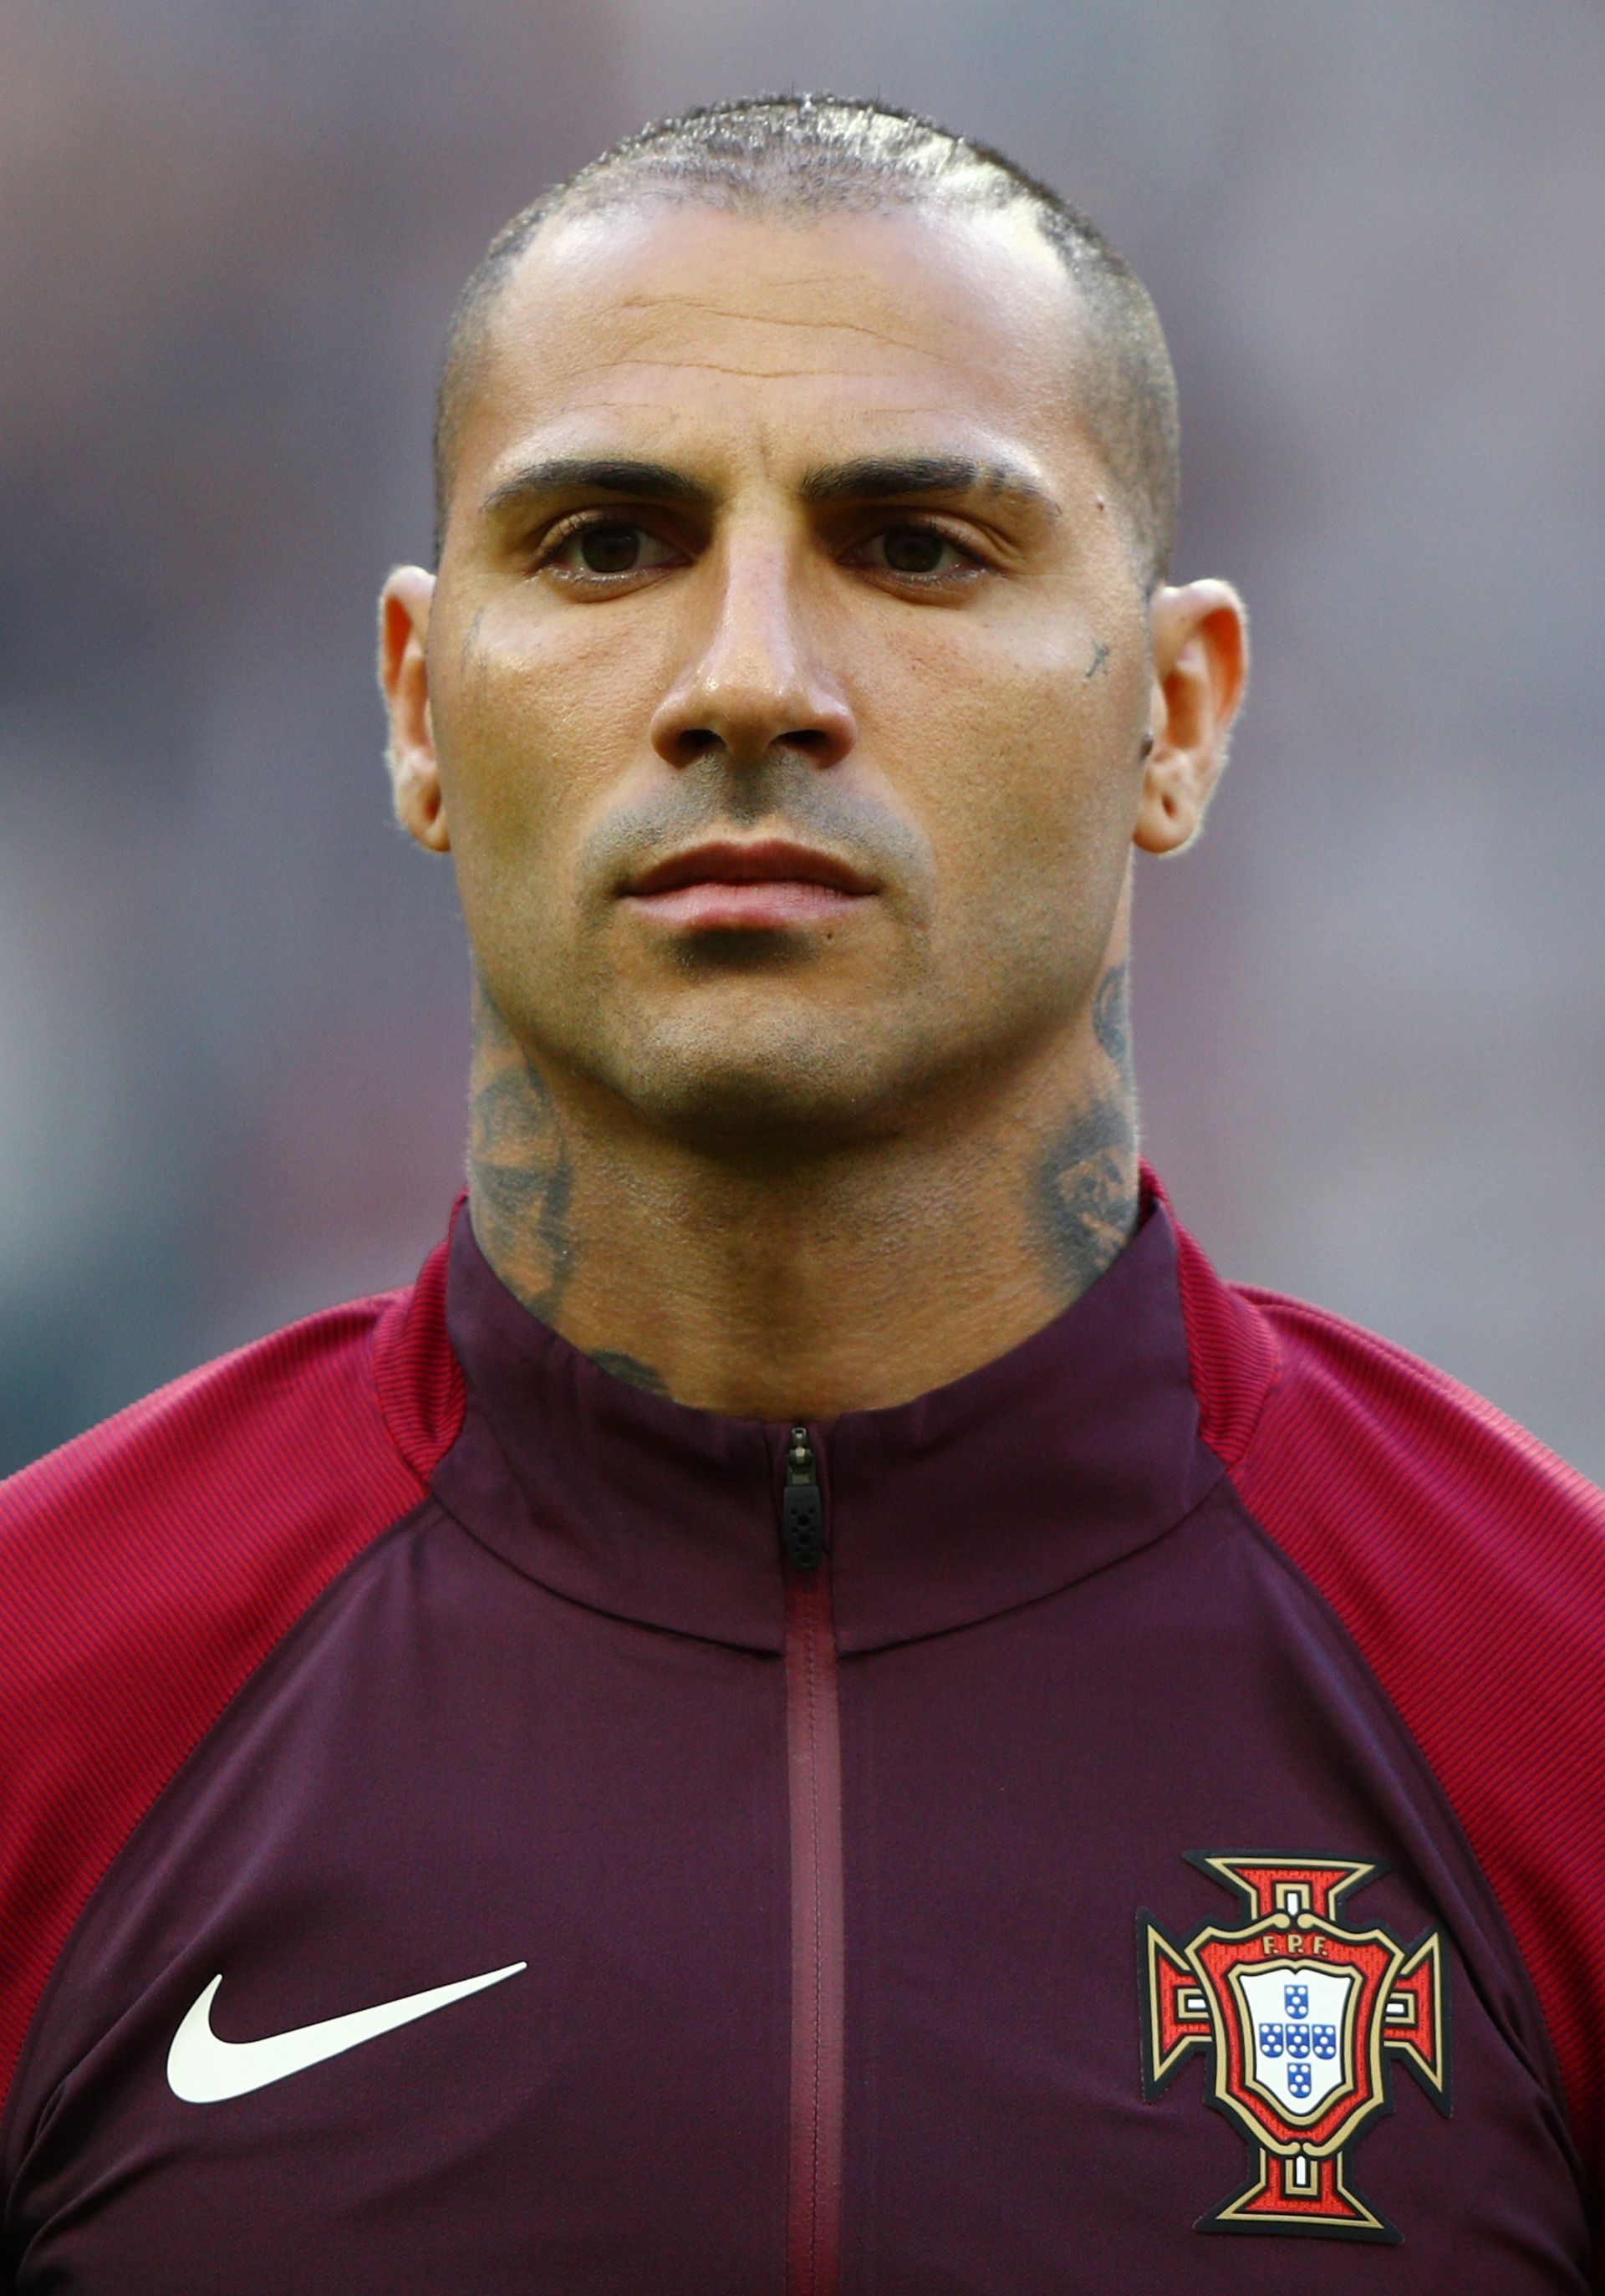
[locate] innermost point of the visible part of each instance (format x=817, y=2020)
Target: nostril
x=812, y=740
x=696, y=741
x=693, y=743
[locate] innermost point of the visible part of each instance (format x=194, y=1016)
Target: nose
x=753, y=687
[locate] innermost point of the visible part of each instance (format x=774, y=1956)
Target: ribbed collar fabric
x=1075, y=1448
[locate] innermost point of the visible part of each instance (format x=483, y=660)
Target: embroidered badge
x=1300, y=2018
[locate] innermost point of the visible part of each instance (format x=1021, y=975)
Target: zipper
x=813, y=1782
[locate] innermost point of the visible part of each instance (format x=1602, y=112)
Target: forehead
x=773, y=340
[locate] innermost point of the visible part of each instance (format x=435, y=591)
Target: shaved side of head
x=808, y=156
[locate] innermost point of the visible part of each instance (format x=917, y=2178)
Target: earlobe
x=404, y=618
x=1171, y=805
x=420, y=801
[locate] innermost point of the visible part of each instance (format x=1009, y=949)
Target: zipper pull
x=802, y=1521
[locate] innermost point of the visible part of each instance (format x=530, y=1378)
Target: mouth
x=763, y=887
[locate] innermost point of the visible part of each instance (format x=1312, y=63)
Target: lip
x=762, y=886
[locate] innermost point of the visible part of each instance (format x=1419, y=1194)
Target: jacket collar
x=1076, y=1447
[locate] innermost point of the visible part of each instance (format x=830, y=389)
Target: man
x=638, y=1763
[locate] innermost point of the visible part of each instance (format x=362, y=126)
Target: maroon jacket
x=792, y=1861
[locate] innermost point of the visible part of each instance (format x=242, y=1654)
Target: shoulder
x=1468, y=1564
x=148, y=1568
x=1410, y=1499
x=267, y=1464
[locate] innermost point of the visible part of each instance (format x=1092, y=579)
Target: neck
x=838, y=1282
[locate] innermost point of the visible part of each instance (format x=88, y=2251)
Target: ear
x=404, y=677
x=1200, y=666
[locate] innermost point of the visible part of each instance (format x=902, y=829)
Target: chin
x=780, y=1089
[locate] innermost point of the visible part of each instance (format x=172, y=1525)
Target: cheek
x=1032, y=783
x=530, y=736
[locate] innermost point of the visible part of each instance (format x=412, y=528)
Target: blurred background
x=233, y=1002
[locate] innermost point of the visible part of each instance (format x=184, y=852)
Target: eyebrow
x=880, y=478
x=868, y=478
x=605, y=474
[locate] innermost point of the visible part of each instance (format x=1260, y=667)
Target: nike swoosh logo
x=202, y=2070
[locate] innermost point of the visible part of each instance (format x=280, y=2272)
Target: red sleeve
x=1468, y=1565
x=148, y=1568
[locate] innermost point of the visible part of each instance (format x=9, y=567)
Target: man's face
x=790, y=776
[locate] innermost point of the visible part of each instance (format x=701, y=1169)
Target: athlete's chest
x=471, y=1954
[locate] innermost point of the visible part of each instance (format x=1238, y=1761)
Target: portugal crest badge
x=1300, y=2018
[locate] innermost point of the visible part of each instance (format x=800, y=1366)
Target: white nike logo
x=202, y=2070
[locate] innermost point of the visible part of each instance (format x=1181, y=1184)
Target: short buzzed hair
x=811, y=155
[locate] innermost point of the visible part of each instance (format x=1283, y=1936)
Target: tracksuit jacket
x=1131, y=1820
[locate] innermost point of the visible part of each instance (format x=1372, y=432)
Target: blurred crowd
x=233, y=1002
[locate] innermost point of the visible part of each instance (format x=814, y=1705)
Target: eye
x=606, y=549
x=918, y=553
